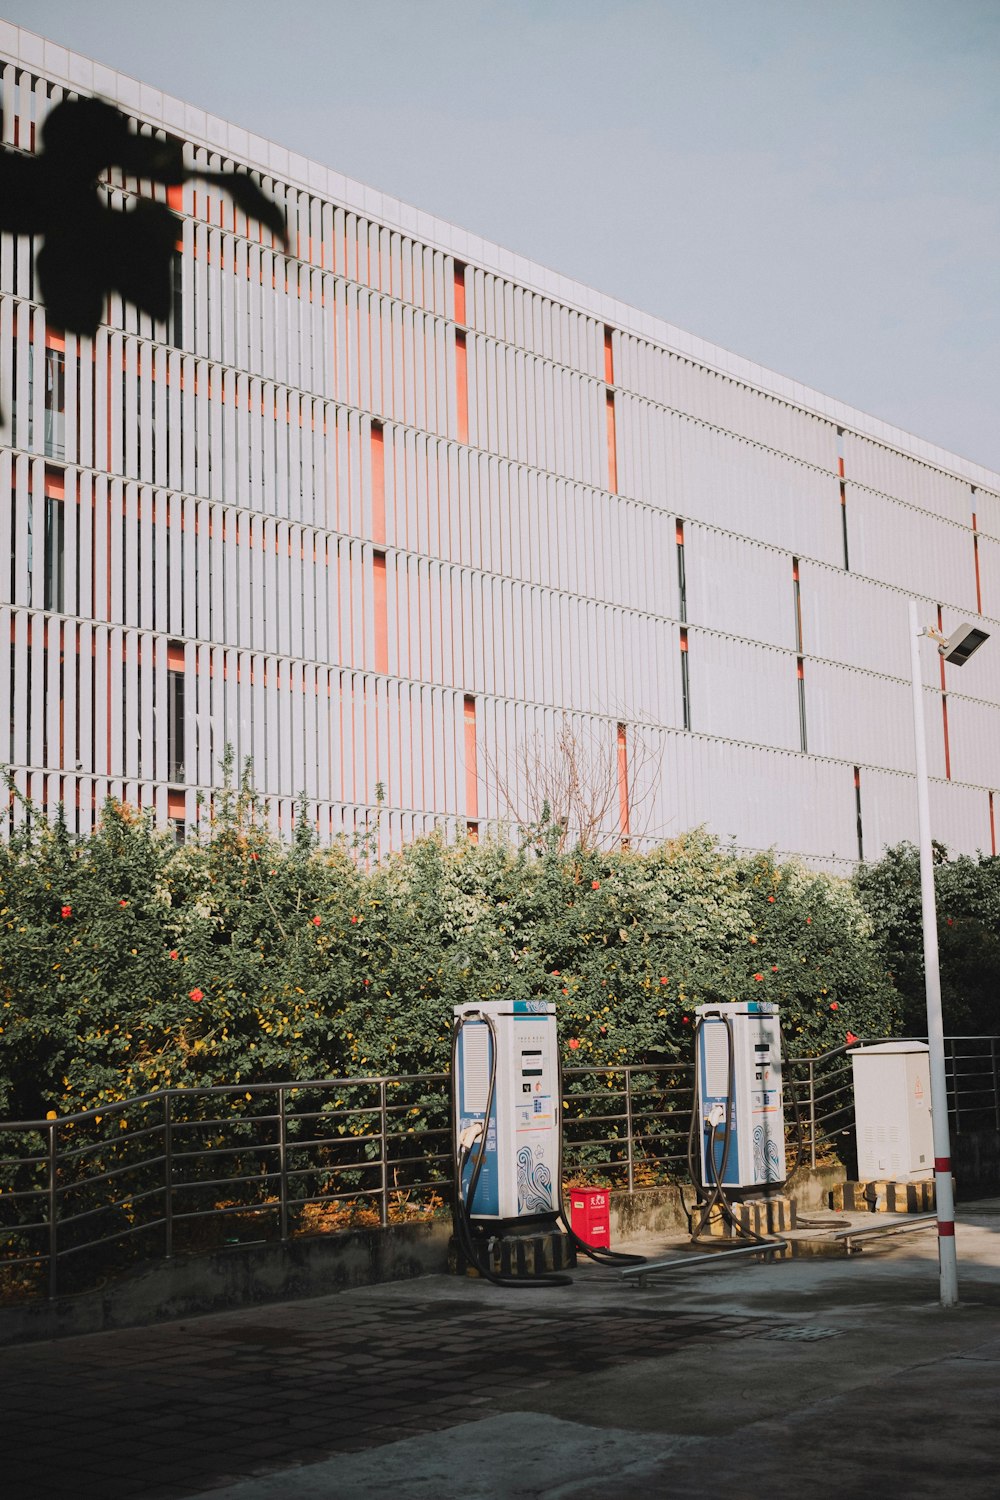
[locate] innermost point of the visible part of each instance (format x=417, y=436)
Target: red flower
x=196, y=995
x=123, y=903
x=771, y=900
x=758, y=977
x=834, y=1005
x=565, y=990
x=774, y=968
x=173, y=953
x=603, y=1030
x=850, y=1037
x=354, y=919
x=573, y=1044
x=255, y=856
x=595, y=885
x=808, y=921
x=555, y=973
x=67, y=911
x=950, y=922
x=317, y=921
x=367, y=982
x=663, y=978
x=685, y=1020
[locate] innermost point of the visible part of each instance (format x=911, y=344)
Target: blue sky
x=814, y=184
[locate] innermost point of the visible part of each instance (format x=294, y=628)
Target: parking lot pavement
x=835, y=1376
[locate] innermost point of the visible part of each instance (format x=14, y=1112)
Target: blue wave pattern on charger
x=766, y=1166
x=534, y=1183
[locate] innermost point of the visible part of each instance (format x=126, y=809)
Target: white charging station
x=514, y=1045
x=739, y=1105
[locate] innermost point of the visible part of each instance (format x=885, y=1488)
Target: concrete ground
x=816, y=1376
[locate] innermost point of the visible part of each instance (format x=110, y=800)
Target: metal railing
x=190, y=1169
x=183, y=1170
x=822, y=1090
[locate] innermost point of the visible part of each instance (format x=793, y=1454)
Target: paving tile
x=334, y=1377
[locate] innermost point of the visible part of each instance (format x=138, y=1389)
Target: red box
x=590, y=1215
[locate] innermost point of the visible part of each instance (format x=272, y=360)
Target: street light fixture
x=956, y=648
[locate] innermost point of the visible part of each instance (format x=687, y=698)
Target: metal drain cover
x=803, y=1335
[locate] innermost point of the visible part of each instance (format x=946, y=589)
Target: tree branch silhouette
x=88, y=248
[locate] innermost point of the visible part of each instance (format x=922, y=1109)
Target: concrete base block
x=884, y=1197
x=764, y=1216
x=516, y=1254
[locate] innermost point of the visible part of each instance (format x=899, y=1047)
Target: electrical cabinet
x=892, y=1096
x=508, y=1050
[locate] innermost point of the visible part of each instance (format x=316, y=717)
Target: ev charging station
x=506, y=1090
x=738, y=1094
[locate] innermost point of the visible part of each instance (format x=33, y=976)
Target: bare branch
x=594, y=783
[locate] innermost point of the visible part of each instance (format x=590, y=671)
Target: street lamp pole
x=944, y=1194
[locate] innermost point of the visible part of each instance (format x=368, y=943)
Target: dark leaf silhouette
x=90, y=249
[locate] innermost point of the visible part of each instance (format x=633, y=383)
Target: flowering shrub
x=128, y=964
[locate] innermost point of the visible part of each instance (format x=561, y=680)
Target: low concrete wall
x=243, y=1276
x=811, y=1187
x=664, y=1210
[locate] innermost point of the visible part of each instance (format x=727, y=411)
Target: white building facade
x=398, y=515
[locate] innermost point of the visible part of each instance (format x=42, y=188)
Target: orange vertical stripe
x=612, y=446
x=459, y=292
x=471, y=771
x=993, y=828
x=462, y=386
x=623, y=797
x=609, y=357
x=381, y=613
x=378, y=483
x=975, y=557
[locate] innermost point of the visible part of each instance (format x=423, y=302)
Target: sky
x=812, y=184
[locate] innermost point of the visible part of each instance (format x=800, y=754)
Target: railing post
x=168, y=1180
x=954, y=1086
x=53, y=1209
x=812, y=1113
x=628, y=1125
x=384, y=1138
x=283, y=1161
x=996, y=1081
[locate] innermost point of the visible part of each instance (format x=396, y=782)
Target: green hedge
x=128, y=964
x=967, y=894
